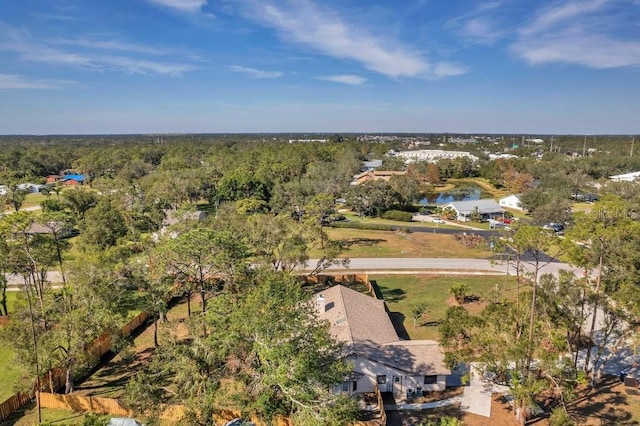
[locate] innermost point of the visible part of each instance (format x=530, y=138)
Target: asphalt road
x=444, y=265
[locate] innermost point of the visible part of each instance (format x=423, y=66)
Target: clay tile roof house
x=372, y=346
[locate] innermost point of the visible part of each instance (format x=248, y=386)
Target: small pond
x=459, y=193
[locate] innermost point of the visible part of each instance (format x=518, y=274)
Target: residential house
x=370, y=165
x=73, y=180
x=54, y=178
x=31, y=188
x=626, y=177
x=173, y=217
x=379, y=357
x=372, y=175
x=511, y=202
x=485, y=209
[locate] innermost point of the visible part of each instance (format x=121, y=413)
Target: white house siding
x=372, y=369
x=511, y=202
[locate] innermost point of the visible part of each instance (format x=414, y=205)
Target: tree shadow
x=392, y=294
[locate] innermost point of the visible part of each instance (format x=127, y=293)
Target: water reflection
x=459, y=193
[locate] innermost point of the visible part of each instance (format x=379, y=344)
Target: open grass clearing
x=402, y=292
x=10, y=373
x=353, y=217
x=366, y=243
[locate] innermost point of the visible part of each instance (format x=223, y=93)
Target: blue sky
x=150, y=66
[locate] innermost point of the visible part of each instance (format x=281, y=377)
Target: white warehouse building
x=432, y=155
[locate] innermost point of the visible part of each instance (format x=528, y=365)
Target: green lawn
x=10, y=373
x=366, y=243
x=353, y=217
x=401, y=292
x=11, y=300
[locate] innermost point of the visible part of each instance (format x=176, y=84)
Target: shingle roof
x=363, y=324
x=416, y=357
x=483, y=206
x=357, y=318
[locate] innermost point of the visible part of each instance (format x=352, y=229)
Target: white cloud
x=327, y=32
x=586, y=33
x=16, y=82
x=481, y=30
x=591, y=50
x=446, y=69
x=181, y=5
x=353, y=80
x=561, y=13
x=41, y=52
x=255, y=73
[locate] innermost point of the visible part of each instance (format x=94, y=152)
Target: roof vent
x=320, y=303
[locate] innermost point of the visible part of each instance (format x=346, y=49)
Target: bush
x=397, y=215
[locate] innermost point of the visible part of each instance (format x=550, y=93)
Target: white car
x=437, y=220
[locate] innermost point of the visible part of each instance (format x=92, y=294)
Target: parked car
x=437, y=220
x=557, y=228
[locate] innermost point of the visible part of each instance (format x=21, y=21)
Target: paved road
x=442, y=264
x=16, y=280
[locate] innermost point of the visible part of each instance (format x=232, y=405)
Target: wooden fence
x=14, y=403
x=111, y=406
x=55, y=378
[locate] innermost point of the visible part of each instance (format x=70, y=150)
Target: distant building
x=535, y=140
x=627, y=177
x=432, y=155
x=501, y=156
x=72, y=180
x=486, y=209
x=4, y=189
x=373, y=164
x=373, y=175
x=511, y=202
x=31, y=188
x=307, y=140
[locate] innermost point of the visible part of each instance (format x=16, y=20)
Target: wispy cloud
x=326, y=31
x=479, y=25
x=588, y=33
x=17, y=82
x=560, y=14
x=255, y=73
x=91, y=54
x=181, y=5
x=354, y=80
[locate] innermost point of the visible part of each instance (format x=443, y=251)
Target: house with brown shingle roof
x=373, y=175
x=373, y=347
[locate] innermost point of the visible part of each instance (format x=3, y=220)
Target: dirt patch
x=608, y=404
x=501, y=414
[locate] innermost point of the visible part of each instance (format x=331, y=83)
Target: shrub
x=470, y=240
x=397, y=215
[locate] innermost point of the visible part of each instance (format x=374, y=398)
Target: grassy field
x=366, y=243
x=10, y=374
x=401, y=292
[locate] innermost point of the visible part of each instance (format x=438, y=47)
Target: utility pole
x=584, y=147
x=551, y=147
x=633, y=139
